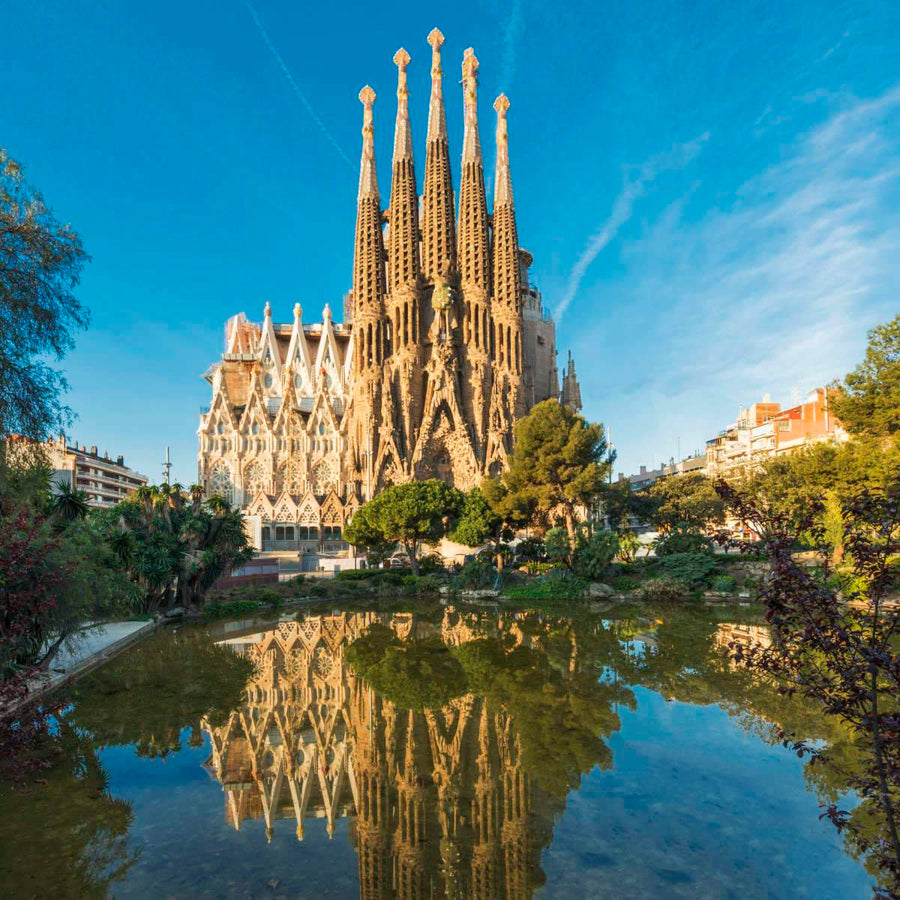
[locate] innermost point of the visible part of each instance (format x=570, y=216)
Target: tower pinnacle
x=471, y=143
x=437, y=120
x=438, y=220
x=503, y=194
x=402, y=134
x=368, y=181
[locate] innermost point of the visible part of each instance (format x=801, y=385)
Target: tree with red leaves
x=840, y=648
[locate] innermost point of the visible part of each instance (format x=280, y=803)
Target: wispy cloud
x=301, y=96
x=512, y=35
x=774, y=288
x=635, y=186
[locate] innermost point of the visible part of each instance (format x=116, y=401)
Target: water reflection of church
x=439, y=803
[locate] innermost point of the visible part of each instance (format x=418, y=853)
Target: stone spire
x=507, y=279
x=403, y=253
x=368, y=260
x=438, y=227
x=571, y=390
x=472, y=252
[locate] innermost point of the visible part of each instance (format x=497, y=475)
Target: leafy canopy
x=559, y=463
x=686, y=503
x=40, y=265
x=868, y=401
x=411, y=514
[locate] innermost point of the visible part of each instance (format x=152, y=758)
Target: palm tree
x=69, y=504
x=218, y=504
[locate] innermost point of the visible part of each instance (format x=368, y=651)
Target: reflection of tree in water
x=172, y=679
x=68, y=837
x=451, y=746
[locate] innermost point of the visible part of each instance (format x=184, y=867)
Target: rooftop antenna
x=167, y=466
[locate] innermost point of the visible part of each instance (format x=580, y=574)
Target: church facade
x=444, y=344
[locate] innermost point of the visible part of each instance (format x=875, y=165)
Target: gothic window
x=324, y=477
x=254, y=428
x=220, y=428
x=267, y=381
x=298, y=381
x=220, y=481
x=293, y=480
x=254, y=478
x=321, y=428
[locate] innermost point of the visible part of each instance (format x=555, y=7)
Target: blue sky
x=710, y=189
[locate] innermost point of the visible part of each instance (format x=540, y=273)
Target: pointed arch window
x=220, y=481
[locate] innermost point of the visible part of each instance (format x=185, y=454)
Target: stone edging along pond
x=44, y=683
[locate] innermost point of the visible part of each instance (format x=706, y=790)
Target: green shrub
x=561, y=586
x=696, y=570
x=233, y=609
x=358, y=574
x=431, y=563
x=665, y=589
x=533, y=567
x=594, y=553
x=475, y=574
x=557, y=545
x=681, y=542
x=724, y=584
x=624, y=583
x=420, y=584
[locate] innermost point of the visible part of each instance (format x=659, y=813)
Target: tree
x=845, y=658
x=558, y=466
x=621, y=504
x=173, y=546
x=481, y=524
x=686, y=503
x=410, y=514
x=40, y=265
x=69, y=504
x=867, y=402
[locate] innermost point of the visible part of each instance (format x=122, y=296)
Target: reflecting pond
x=436, y=753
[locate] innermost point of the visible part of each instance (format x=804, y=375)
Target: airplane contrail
x=296, y=87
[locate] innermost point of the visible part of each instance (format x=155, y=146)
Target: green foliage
x=479, y=523
x=417, y=585
x=40, y=265
x=629, y=544
x=167, y=538
x=724, y=584
x=475, y=574
x=556, y=587
x=559, y=461
x=681, y=542
x=696, y=570
x=868, y=401
x=685, y=502
x=624, y=583
x=557, y=545
x=413, y=513
x=663, y=590
x=621, y=504
x=232, y=609
x=593, y=553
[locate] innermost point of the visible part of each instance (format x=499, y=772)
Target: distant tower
x=507, y=396
x=473, y=255
x=369, y=321
x=404, y=290
x=571, y=391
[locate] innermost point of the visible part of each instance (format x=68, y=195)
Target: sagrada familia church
x=444, y=344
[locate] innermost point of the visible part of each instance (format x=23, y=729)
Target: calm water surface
x=447, y=754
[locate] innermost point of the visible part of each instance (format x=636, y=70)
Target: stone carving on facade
x=427, y=375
